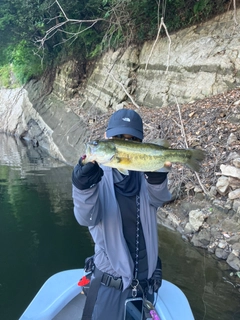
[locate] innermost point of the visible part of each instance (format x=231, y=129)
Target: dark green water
x=39, y=237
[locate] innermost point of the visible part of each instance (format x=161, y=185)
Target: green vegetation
x=5, y=75
x=26, y=64
x=37, y=34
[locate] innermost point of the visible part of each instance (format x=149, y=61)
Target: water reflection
x=38, y=233
x=200, y=276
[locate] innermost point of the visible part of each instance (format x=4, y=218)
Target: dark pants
x=110, y=303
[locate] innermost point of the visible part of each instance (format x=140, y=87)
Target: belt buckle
x=116, y=283
x=110, y=281
x=106, y=279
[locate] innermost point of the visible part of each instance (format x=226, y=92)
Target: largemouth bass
x=127, y=155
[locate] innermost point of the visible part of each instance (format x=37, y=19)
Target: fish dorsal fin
x=161, y=142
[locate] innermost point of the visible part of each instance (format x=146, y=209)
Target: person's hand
x=87, y=175
x=168, y=165
x=158, y=177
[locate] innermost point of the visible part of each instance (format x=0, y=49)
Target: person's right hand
x=87, y=175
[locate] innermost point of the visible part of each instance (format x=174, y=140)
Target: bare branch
x=117, y=18
x=122, y=86
x=162, y=24
x=61, y=9
x=182, y=127
x=52, y=31
x=235, y=12
x=186, y=143
x=73, y=34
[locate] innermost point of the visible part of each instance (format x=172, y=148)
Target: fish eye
x=95, y=143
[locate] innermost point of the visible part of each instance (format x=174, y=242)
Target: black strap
x=109, y=281
x=92, y=295
x=137, y=237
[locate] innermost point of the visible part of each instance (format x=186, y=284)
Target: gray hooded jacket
x=98, y=209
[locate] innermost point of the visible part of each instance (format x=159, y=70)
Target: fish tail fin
x=197, y=156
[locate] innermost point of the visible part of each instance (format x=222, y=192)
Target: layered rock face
x=195, y=63
x=198, y=62
x=36, y=116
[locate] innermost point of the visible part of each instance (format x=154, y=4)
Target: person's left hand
x=166, y=167
x=158, y=177
x=155, y=177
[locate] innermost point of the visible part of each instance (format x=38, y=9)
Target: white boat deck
x=73, y=310
x=60, y=298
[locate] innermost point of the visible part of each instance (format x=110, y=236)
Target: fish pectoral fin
x=123, y=171
x=124, y=161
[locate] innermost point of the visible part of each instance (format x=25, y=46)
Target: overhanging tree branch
x=58, y=27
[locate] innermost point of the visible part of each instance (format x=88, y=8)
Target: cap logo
x=126, y=119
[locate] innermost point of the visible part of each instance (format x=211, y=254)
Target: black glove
x=86, y=176
x=156, y=177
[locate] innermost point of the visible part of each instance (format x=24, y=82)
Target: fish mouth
x=88, y=149
x=91, y=145
x=91, y=150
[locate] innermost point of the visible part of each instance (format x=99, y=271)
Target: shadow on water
x=201, y=276
x=39, y=237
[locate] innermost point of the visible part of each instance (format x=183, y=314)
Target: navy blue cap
x=125, y=121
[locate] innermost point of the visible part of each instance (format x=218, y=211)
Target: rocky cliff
x=192, y=64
